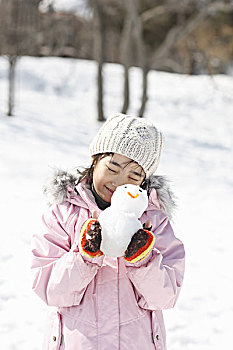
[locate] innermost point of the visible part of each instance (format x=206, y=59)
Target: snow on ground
x=55, y=120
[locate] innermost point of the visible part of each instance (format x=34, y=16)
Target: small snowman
x=120, y=221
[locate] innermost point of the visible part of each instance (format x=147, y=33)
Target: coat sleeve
x=59, y=275
x=159, y=277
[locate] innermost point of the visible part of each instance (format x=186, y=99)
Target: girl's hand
x=93, y=237
x=147, y=225
x=90, y=237
x=95, y=214
x=140, y=245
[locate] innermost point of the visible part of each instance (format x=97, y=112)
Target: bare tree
x=133, y=34
x=11, y=86
x=8, y=40
x=99, y=35
x=142, y=59
x=184, y=29
x=150, y=34
x=125, y=50
x=18, y=20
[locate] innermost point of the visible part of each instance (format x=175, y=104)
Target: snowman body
x=120, y=221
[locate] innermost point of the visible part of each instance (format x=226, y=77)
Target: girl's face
x=113, y=171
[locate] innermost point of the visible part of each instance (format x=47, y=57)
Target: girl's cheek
x=106, y=175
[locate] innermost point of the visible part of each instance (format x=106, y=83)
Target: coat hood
x=62, y=185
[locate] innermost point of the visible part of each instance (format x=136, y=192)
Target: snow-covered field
x=55, y=120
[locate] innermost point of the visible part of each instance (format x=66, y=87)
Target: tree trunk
x=133, y=31
x=99, y=54
x=100, y=93
x=125, y=56
x=126, y=90
x=11, y=89
x=141, y=52
x=144, y=92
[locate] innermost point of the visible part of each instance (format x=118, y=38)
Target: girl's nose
x=118, y=181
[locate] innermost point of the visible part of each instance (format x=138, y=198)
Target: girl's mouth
x=110, y=191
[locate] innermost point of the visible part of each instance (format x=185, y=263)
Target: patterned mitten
x=90, y=239
x=140, y=246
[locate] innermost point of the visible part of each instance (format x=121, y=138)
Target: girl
x=103, y=303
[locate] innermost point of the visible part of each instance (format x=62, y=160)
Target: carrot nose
x=130, y=194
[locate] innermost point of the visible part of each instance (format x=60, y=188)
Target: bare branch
x=182, y=31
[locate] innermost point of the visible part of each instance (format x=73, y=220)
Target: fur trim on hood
x=165, y=196
x=62, y=184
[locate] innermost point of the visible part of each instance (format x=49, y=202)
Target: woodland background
x=180, y=36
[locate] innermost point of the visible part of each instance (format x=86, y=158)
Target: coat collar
x=64, y=186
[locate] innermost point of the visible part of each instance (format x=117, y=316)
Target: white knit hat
x=132, y=137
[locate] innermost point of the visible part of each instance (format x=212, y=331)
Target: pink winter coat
x=105, y=303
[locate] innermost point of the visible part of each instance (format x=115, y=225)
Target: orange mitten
x=90, y=239
x=140, y=246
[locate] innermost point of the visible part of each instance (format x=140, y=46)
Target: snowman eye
x=125, y=186
x=140, y=190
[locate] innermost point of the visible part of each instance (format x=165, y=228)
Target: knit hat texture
x=132, y=137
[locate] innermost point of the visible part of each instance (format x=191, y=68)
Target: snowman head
x=130, y=198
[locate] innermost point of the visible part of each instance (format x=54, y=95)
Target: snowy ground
x=55, y=120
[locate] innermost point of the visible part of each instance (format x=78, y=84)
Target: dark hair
x=87, y=173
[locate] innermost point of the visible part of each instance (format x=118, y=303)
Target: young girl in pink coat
x=99, y=302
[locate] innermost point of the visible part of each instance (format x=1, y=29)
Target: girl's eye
x=133, y=179
x=113, y=171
